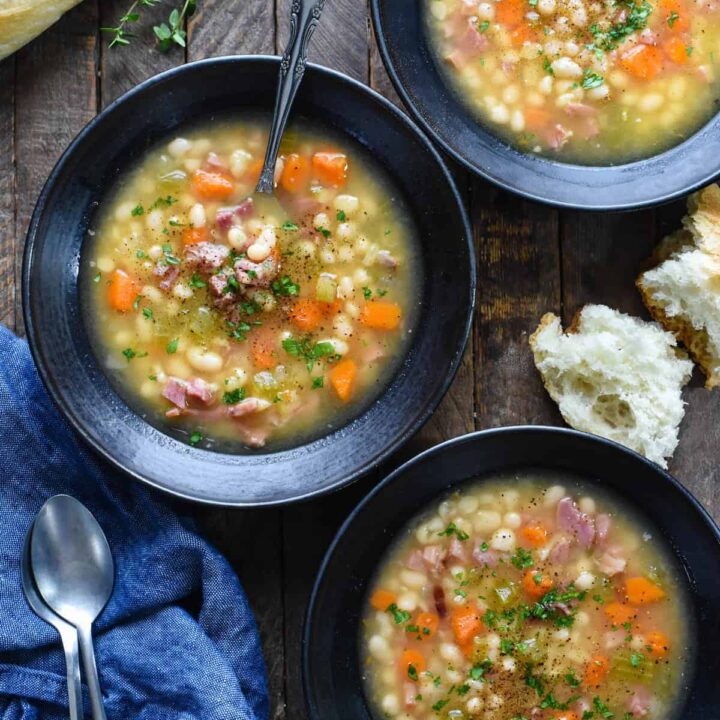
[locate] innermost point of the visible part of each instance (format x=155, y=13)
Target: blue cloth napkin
x=177, y=639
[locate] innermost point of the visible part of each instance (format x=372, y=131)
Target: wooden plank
x=53, y=107
x=7, y=192
x=518, y=281
x=123, y=67
x=341, y=37
x=228, y=27
x=602, y=256
x=251, y=540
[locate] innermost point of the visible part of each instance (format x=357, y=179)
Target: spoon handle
x=304, y=16
x=69, y=637
x=88, y=655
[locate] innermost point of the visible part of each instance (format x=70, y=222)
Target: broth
x=237, y=322
x=520, y=597
x=589, y=81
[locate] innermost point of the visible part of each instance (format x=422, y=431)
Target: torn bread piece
x=616, y=376
x=683, y=291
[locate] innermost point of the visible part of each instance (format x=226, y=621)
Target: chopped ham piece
x=648, y=37
x=580, y=110
x=434, y=558
x=256, y=274
x=469, y=46
x=572, y=520
x=560, y=552
x=611, y=562
x=215, y=162
x=226, y=217
x=484, y=558
x=410, y=693
x=175, y=391
x=557, y=136
x=247, y=407
x=253, y=436
x=415, y=561
x=385, y=258
x=206, y=256
x=200, y=390
x=639, y=702
x=603, y=523
x=167, y=273
x=613, y=639
x=457, y=551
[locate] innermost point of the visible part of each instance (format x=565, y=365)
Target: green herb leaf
x=137, y=210
x=323, y=231
x=148, y=313
x=452, y=529
x=172, y=346
x=197, y=282
x=195, y=438
x=341, y=216
x=412, y=673
x=592, y=80
x=522, y=559
x=289, y=226
x=400, y=616
x=285, y=287
x=234, y=396
x=318, y=382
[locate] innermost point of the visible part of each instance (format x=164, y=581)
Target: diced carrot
x=619, y=614
x=211, y=185
x=658, y=643
x=382, y=599
x=565, y=715
x=643, y=61
x=596, y=671
x=192, y=235
x=296, y=173
x=641, y=591
x=253, y=170
x=510, y=12
x=342, y=378
x=262, y=348
x=465, y=623
x=427, y=623
x=330, y=168
x=381, y=315
x=536, y=118
x=675, y=15
x=414, y=658
x=535, y=584
x=534, y=535
x=308, y=313
x=122, y=291
x=522, y=34
x=676, y=50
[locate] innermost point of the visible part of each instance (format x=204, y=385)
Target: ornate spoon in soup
x=304, y=16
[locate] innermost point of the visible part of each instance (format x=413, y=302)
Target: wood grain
x=7, y=192
x=518, y=281
x=50, y=110
x=340, y=40
x=227, y=27
x=124, y=67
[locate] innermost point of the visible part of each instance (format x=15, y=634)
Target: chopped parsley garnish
x=148, y=313
x=572, y=680
x=673, y=17
x=139, y=210
x=136, y=303
x=636, y=659
x=598, y=599
x=602, y=708
x=381, y=293
x=239, y=330
x=367, y=293
x=170, y=259
x=483, y=27
x=311, y=352
x=289, y=226
x=689, y=50
x=166, y=201
x=323, y=231
x=400, y=616
x=463, y=690
x=195, y=438
x=522, y=559
x=197, y=282
x=140, y=254
x=460, y=593
x=318, y=382
x=232, y=284
x=452, y=529
x=152, y=377
x=129, y=353
x=285, y=286
x=547, y=66
x=534, y=681
x=484, y=547
x=234, y=396
x=439, y=705
x=412, y=672
x=175, y=223
x=506, y=646
x=172, y=346
x=97, y=277
x=478, y=670
x=636, y=19
x=412, y=628
x=591, y=80
x=341, y=216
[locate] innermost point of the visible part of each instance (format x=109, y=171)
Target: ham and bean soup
x=245, y=321
x=589, y=81
x=522, y=599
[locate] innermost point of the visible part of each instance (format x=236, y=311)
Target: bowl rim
x=309, y=619
x=474, y=167
x=29, y=251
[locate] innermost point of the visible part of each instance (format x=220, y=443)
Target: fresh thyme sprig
x=166, y=34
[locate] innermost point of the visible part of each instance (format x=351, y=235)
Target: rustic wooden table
x=530, y=259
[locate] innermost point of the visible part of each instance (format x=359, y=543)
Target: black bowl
x=332, y=673
x=114, y=141
x=401, y=33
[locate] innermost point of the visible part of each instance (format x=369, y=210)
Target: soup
x=243, y=321
x=589, y=81
x=519, y=598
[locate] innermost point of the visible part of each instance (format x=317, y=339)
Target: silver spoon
x=68, y=634
x=304, y=16
x=74, y=573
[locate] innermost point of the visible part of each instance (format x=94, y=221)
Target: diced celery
x=326, y=288
x=632, y=666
